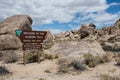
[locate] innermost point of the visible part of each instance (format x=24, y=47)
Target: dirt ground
x=47, y=70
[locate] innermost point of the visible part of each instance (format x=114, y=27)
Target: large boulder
x=83, y=31
x=92, y=26
x=48, y=42
x=8, y=38
x=17, y=22
x=59, y=37
x=8, y=42
x=117, y=24
x=77, y=48
x=74, y=32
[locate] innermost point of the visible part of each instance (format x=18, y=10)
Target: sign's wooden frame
x=30, y=41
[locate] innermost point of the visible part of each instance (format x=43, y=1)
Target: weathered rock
x=10, y=24
x=114, y=47
x=74, y=37
x=75, y=48
x=8, y=42
x=84, y=26
x=74, y=32
x=92, y=26
x=117, y=24
x=59, y=37
x=67, y=34
x=100, y=32
x=48, y=42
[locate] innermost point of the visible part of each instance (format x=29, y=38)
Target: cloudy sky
x=62, y=15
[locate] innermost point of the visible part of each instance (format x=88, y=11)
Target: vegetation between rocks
x=4, y=71
x=66, y=66
x=108, y=77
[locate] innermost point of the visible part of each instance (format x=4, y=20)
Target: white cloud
x=47, y=11
x=55, y=31
x=100, y=19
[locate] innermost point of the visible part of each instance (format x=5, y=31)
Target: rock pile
x=108, y=37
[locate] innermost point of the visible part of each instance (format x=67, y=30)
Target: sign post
x=31, y=40
x=24, y=57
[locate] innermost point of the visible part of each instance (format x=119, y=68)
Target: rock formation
x=8, y=38
x=17, y=22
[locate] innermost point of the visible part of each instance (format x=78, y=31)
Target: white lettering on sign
x=39, y=36
x=29, y=33
x=26, y=40
x=30, y=36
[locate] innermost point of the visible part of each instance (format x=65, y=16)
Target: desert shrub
x=2, y=77
x=4, y=70
x=47, y=71
x=63, y=66
x=92, y=61
x=77, y=65
x=108, y=77
x=10, y=57
x=1, y=55
x=66, y=65
x=56, y=56
x=118, y=61
x=41, y=79
x=32, y=57
x=108, y=57
x=51, y=56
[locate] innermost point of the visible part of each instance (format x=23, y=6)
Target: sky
x=62, y=15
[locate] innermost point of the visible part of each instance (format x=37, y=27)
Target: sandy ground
x=35, y=71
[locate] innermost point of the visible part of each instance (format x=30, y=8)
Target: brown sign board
x=33, y=36
x=31, y=40
x=31, y=46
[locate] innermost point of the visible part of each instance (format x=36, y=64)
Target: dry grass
x=63, y=65
x=51, y=56
x=41, y=79
x=67, y=66
x=47, y=71
x=92, y=61
x=117, y=59
x=108, y=57
x=108, y=77
x=4, y=70
x=32, y=57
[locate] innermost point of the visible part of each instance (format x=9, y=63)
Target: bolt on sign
x=31, y=40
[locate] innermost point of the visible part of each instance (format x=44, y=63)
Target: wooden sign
x=31, y=46
x=31, y=40
x=33, y=36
